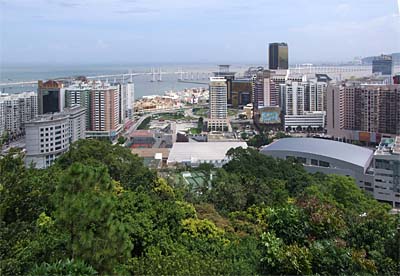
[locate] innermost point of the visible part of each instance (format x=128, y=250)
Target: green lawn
x=202, y=112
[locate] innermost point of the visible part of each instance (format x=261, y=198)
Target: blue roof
x=332, y=149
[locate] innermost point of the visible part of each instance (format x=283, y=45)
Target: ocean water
x=143, y=84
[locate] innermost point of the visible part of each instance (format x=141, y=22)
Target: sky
x=191, y=31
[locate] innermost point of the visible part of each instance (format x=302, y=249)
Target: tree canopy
x=99, y=211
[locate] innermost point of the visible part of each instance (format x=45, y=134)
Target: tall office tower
x=278, y=56
x=17, y=109
x=50, y=96
x=316, y=96
x=223, y=71
x=293, y=95
x=218, y=104
x=242, y=90
x=382, y=65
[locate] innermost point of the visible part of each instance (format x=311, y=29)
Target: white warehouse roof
x=332, y=149
x=201, y=152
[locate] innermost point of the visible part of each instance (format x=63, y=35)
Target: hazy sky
x=212, y=31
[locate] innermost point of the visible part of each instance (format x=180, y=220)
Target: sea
x=145, y=85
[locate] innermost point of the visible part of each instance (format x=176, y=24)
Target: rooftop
x=332, y=149
x=49, y=117
x=187, y=152
x=141, y=133
x=389, y=146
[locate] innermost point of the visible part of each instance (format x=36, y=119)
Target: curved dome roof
x=332, y=149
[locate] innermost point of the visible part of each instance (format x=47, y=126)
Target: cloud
x=100, y=44
x=136, y=11
x=69, y=4
x=343, y=9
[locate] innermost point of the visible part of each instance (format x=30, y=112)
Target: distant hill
x=368, y=60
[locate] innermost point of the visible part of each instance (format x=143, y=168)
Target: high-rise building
x=50, y=135
x=242, y=91
x=303, y=103
x=223, y=71
x=396, y=79
x=77, y=122
x=105, y=109
x=293, y=94
x=382, y=65
x=16, y=110
x=2, y=117
x=278, y=56
x=50, y=97
x=316, y=95
x=218, y=105
x=104, y=112
x=129, y=96
x=363, y=112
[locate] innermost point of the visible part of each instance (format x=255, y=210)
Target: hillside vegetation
x=99, y=211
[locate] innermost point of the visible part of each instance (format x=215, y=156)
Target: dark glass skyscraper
x=382, y=65
x=278, y=56
x=50, y=97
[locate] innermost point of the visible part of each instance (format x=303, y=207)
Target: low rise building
x=309, y=120
x=194, y=154
x=142, y=139
x=387, y=171
x=50, y=135
x=378, y=173
x=47, y=137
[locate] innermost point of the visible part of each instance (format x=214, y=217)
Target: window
x=302, y=160
x=314, y=162
x=324, y=164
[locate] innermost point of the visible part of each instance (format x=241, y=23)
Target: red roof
x=141, y=133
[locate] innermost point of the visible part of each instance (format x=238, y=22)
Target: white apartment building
x=293, y=94
x=16, y=110
x=128, y=92
x=314, y=120
x=218, y=120
x=77, y=122
x=2, y=118
x=317, y=95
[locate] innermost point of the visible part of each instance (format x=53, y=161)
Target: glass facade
x=278, y=56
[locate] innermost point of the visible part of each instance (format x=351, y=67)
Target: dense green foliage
x=99, y=211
